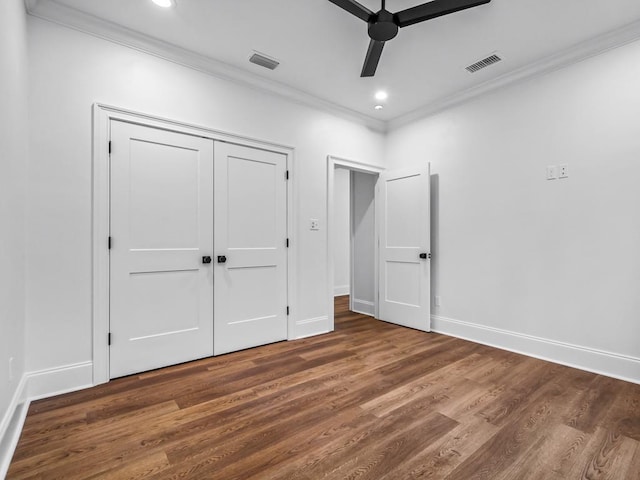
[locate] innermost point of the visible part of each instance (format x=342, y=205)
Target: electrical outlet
x=563, y=171
x=314, y=224
x=436, y=300
x=552, y=172
x=10, y=369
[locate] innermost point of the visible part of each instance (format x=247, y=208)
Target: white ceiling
x=321, y=47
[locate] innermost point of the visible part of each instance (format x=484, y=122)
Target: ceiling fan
x=384, y=25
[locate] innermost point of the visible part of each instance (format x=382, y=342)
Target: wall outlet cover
x=563, y=171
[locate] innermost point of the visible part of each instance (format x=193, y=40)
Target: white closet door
x=250, y=279
x=161, y=306
x=405, y=248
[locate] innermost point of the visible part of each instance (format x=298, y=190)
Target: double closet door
x=198, y=262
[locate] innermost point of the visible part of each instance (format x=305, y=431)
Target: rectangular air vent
x=484, y=63
x=264, y=61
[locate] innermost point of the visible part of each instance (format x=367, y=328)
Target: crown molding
x=55, y=12
x=572, y=55
x=70, y=17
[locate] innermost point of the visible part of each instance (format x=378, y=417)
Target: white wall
x=69, y=72
x=364, y=270
x=556, y=260
x=13, y=165
x=341, y=231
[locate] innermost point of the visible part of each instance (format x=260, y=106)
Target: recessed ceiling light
x=378, y=107
x=381, y=95
x=164, y=3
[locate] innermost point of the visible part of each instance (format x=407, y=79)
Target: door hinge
x=287, y=309
x=109, y=338
x=286, y=175
x=287, y=243
x=109, y=243
x=109, y=147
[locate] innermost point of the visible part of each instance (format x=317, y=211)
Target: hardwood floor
x=369, y=401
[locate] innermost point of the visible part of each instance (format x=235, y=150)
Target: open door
x=404, y=226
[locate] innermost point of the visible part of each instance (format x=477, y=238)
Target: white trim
x=332, y=163
x=33, y=386
x=311, y=326
x=622, y=367
x=341, y=290
x=57, y=381
x=363, y=306
x=572, y=55
x=89, y=24
x=293, y=200
x=100, y=253
x=354, y=165
x=11, y=425
x=102, y=117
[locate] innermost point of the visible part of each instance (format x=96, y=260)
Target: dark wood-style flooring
x=368, y=401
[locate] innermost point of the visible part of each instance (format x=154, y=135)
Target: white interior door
x=404, y=286
x=161, y=305
x=250, y=279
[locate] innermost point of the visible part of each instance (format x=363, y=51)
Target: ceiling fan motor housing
x=383, y=28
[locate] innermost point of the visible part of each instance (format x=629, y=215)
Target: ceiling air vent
x=484, y=63
x=264, y=61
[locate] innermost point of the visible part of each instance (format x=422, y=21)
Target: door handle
x=222, y=259
x=424, y=256
x=206, y=259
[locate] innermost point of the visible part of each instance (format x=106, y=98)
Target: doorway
x=402, y=257
x=181, y=241
x=351, y=235
x=354, y=239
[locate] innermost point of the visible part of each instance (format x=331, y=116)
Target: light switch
x=552, y=172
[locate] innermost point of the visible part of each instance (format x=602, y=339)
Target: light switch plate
x=552, y=172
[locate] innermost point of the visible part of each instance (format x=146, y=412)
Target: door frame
x=102, y=116
x=333, y=162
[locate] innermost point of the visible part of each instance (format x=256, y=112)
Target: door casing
x=332, y=163
x=102, y=117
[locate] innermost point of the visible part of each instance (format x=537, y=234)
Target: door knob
x=206, y=259
x=222, y=259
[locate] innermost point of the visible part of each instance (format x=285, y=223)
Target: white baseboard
x=56, y=381
x=341, y=290
x=364, y=307
x=614, y=365
x=34, y=386
x=312, y=326
x=11, y=425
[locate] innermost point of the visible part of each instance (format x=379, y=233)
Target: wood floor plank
x=370, y=400
x=440, y=458
x=594, y=403
x=607, y=456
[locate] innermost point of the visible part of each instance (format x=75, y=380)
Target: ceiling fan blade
x=354, y=8
x=434, y=9
x=372, y=59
